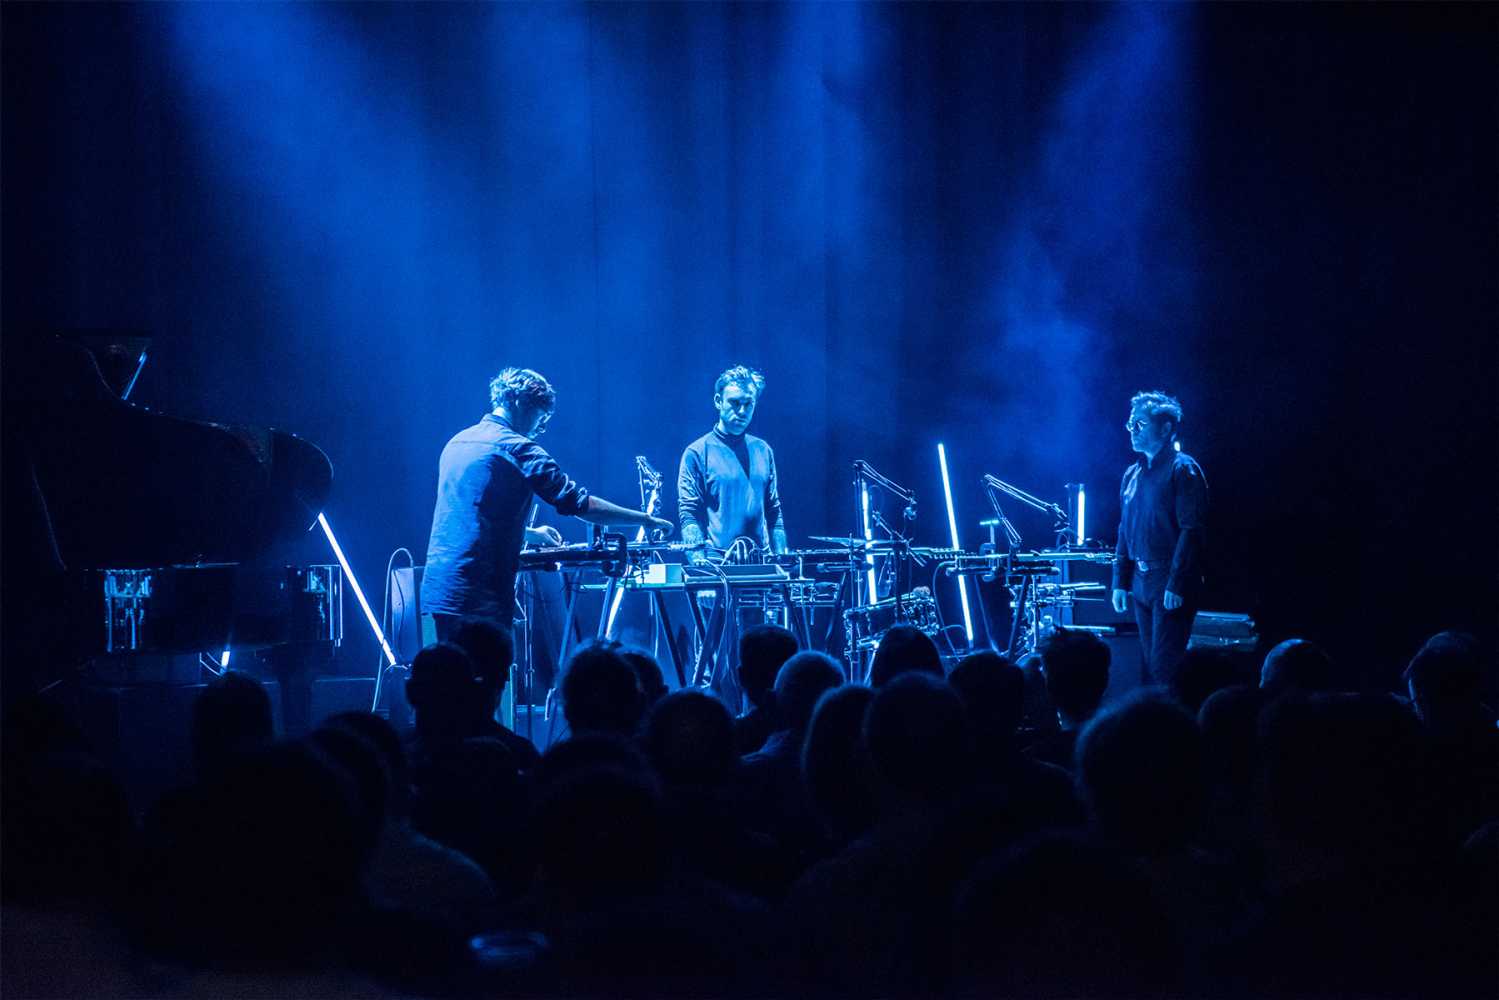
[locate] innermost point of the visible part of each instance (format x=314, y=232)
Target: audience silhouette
x=1286, y=839
x=763, y=649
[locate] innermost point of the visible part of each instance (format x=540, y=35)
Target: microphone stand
x=865, y=476
x=1024, y=600
x=1058, y=514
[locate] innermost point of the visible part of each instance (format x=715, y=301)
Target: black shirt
x=1163, y=506
x=485, y=481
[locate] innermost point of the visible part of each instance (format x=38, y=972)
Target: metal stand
x=865, y=477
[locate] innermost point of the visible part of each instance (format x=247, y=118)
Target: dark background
x=986, y=225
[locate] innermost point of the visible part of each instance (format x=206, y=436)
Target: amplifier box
x=405, y=612
x=1097, y=607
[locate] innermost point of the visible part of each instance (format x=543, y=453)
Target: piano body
x=131, y=532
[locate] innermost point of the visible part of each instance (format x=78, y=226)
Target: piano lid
x=124, y=487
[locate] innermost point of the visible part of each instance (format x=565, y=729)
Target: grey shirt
x=726, y=486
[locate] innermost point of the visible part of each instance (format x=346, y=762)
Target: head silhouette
x=834, y=765
x=993, y=689
x=491, y=651
x=919, y=739
x=601, y=692
x=689, y=737
x=599, y=832
x=648, y=673
x=231, y=717
x=442, y=690
x=1140, y=772
x=1076, y=666
x=904, y=648
x=763, y=649
x=1446, y=683
x=1345, y=773
x=1297, y=665
x=800, y=682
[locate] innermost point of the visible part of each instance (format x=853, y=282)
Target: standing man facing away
x=1163, y=505
x=486, y=479
x=726, y=484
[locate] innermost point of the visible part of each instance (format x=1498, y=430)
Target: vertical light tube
x=1082, y=515
x=952, y=525
x=224, y=659
x=874, y=593
x=358, y=592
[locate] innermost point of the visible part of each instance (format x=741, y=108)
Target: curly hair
x=742, y=376
x=523, y=386
x=1158, y=405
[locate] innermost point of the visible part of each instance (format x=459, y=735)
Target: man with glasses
x=486, y=479
x=1163, y=503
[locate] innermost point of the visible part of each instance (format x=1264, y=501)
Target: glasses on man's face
x=1136, y=424
x=541, y=424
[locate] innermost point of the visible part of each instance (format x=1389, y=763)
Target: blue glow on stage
x=952, y=526
x=1082, y=514
x=364, y=605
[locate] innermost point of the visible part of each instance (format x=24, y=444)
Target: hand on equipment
x=1171, y=601
x=544, y=535
x=659, y=528
x=1121, y=601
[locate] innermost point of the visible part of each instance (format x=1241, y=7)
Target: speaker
x=1094, y=607
x=405, y=612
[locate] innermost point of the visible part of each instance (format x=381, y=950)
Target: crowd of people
x=978, y=828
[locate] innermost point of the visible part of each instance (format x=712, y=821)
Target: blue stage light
x=874, y=593
x=1082, y=514
x=358, y=592
x=952, y=524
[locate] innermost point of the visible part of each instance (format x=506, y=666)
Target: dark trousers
x=1163, y=634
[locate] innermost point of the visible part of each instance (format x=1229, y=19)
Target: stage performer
x=486, y=479
x=726, y=484
x=1163, y=504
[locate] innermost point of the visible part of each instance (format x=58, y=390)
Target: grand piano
x=130, y=531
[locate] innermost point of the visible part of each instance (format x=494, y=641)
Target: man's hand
x=693, y=535
x=544, y=535
x=1171, y=601
x=1121, y=601
x=658, y=528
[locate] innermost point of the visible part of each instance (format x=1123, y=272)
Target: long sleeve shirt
x=485, y=481
x=1163, y=506
x=726, y=486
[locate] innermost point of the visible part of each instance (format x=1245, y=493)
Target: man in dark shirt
x=1163, y=503
x=726, y=485
x=486, y=479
